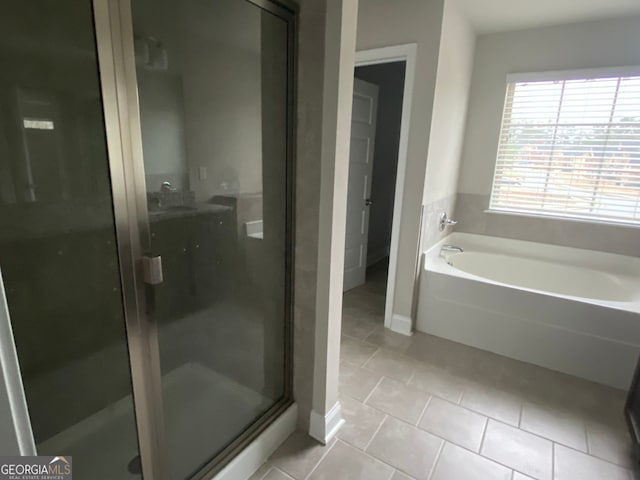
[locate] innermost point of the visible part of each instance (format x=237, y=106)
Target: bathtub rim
x=432, y=261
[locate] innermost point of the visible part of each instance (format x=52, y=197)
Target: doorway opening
x=377, y=160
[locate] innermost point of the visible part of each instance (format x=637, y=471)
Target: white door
x=363, y=132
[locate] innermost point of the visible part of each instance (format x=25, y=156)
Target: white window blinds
x=571, y=148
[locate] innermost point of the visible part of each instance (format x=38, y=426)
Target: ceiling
x=488, y=16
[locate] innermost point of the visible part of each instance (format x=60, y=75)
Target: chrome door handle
x=368, y=202
x=152, y=270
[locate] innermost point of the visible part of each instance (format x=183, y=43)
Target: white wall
x=162, y=122
x=161, y=96
x=223, y=102
x=443, y=74
x=383, y=23
x=584, y=45
x=339, y=59
x=208, y=104
x=603, y=43
x=455, y=65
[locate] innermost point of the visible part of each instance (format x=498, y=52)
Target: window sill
x=562, y=218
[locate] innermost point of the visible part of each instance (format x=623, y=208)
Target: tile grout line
x=424, y=409
x=424, y=430
x=364, y=339
x=462, y=395
x=351, y=397
x=553, y=460
x=375, y=433
x=473, y=452
x=369, y=370
x=531, y=433
x=485, y=428
x=370, y=356
x=560, y=443
x=586, y=438
x=366, y=399
x=350, y=337
x=563, y=445
x=373, y=457
x=271, y=467
x=278, y=470
x=491, y=417
x=520, y=415
x=437, y=459
x=587, y=454
x=321, y=459
x=464, y=391
x=439, y=397
x=371, y=332
x=367, y=342
x=484, y=433
x=412, y=376
x=349, y=362
x=489, y=459
x=553, y=445
x=404, y=420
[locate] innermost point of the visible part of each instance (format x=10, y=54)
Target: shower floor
x=203, y=412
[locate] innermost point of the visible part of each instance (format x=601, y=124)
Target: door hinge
x=152, y=270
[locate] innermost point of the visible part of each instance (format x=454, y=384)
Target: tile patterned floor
x=425, y=408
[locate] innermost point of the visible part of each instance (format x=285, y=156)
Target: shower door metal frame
x=125, y=164
x=116, y=57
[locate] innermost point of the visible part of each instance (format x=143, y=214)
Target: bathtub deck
x=426, y=408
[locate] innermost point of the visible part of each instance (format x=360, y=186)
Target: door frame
x=397, y=53
x=116, y=57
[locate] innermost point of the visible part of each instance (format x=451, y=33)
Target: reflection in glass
x=212, y=81
x=57, y=243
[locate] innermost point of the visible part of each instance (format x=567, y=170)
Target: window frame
x=545, y=76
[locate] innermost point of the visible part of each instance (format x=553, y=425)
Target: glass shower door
x=58, y=249
x=213, y=83
x=210, y=348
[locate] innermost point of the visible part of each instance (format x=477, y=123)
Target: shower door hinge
x=152, y=270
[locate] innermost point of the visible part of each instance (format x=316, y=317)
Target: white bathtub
x=571, y=310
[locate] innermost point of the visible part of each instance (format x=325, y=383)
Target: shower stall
x=146, y=219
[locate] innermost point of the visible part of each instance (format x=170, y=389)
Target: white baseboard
x=251, y=458
x=324, y=427
x=401, y=324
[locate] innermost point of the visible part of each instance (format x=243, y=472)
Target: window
x=38, y=124
x=570, y=146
